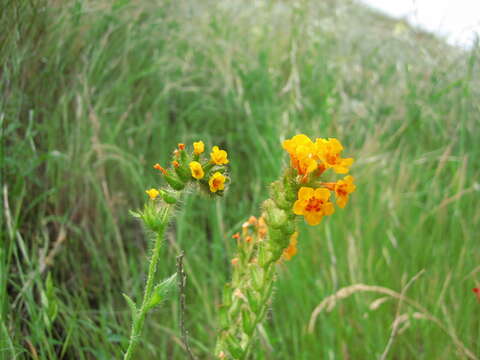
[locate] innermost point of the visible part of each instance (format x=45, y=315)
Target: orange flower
x=291, y=249
x=262, y=227
x=175, y=163
x=328, y=151
x=181, y=146
x=196, y=170
x=313, y=204
x=302, y=151
x=158, y=167
x=342, y=189
x=217, y=182
x=218, y=156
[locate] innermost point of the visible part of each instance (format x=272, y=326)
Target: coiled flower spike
x=187, y=169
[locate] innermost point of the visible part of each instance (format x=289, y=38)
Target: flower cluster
x=209, y=173
x=309, y=161
x=267, y=241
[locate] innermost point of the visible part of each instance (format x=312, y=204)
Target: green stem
x=139, y=317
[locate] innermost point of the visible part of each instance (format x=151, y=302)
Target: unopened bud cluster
x=188, y=168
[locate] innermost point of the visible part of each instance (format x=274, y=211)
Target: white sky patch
x=458, y=21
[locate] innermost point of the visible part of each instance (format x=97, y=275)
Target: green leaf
x=234, y=347
x=49, y=301
x=131, y=304
x=162, y=291
x=135, y=214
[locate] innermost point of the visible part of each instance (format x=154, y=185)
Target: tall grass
x=94, y=92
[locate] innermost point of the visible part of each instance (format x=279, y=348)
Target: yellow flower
x=217, y=182
x=313, y=204
x=291, y=249
x=218, y=156
x=342, y=189
x=302, y=153
x=196, y=170
x=198, y=147
x=329, y=152
x=153, y=193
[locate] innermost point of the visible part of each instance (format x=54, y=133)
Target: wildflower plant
x=273, y=237
x=192, y=170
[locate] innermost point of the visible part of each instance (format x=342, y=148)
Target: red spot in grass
x=477, y=292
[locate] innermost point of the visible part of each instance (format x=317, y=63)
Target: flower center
x=341, y=191
x=331, y=159
x=314, y=205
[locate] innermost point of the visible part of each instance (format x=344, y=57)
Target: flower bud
x=153, y=217
x=276, y=218
x=175, y=183
x=247, y=322
x=182, y=172
x=234, y=347
x=168, y=197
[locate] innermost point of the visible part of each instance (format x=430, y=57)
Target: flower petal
x=298, y=207
x=305, y=193
x=328, y=209
x=313, y=218
x=322, y=194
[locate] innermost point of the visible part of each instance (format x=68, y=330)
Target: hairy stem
x=139, y=317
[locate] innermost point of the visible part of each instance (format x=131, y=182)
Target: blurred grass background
x=94, y=92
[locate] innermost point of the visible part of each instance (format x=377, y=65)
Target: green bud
x=152, y=217
x=276, y=218
x=168, y=197
x=289, y=227
x=247, y=322
x=223, y=317
x=183, y=156
x=256, y=274
x=183, y=173
x=235, y=308
x=262, y=255
x=175, y=183
x=234, y=347
x=282, y=202
x=290, y=187
x=253, y=301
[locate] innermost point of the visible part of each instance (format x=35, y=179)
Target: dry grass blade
x=399, y=319
x=331, y=301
